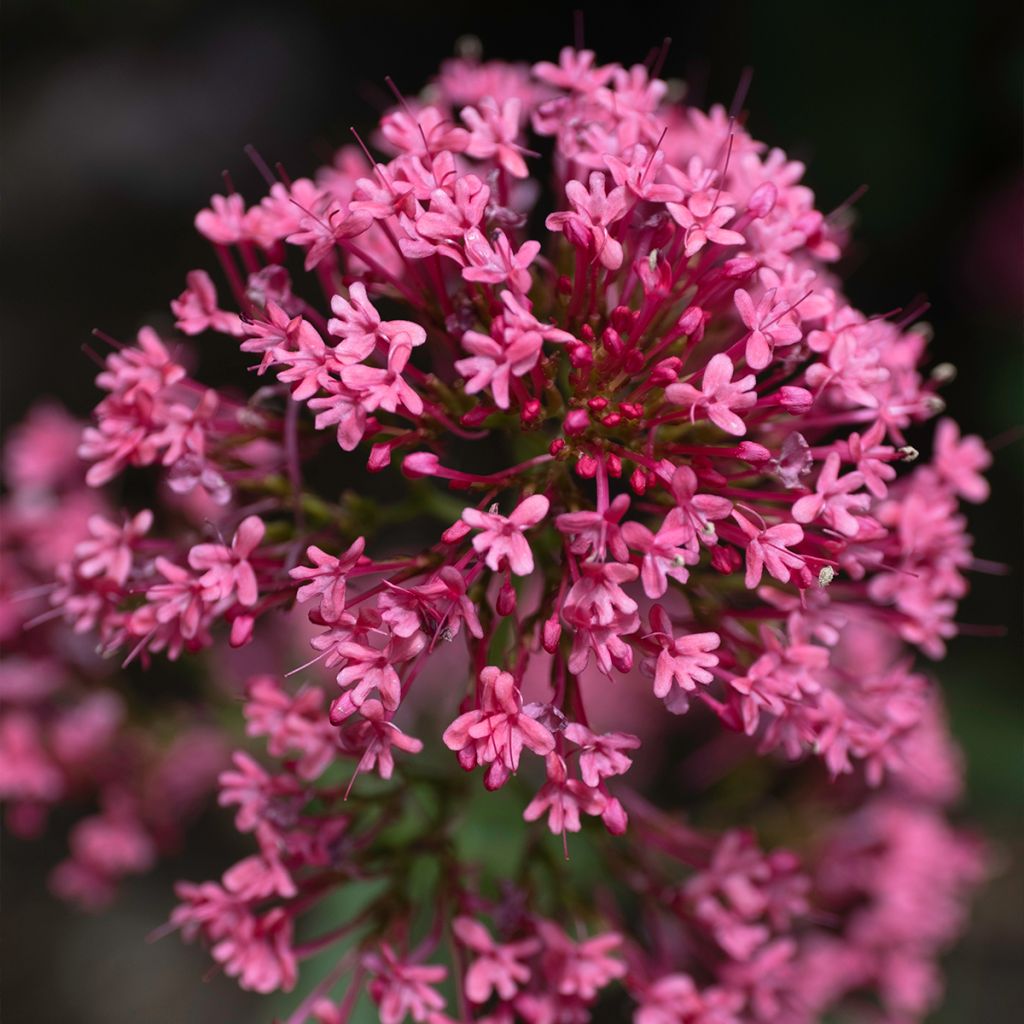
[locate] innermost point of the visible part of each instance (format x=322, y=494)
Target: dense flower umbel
x=667, y=457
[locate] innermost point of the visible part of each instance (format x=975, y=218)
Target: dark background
x=119, y=116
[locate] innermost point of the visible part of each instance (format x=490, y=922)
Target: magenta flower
x=497, y=731
x=501, y=538
x=771, y=323
x=228, y=571
x=593, y=211
x=704, y=453
x=401, y=988
x=496, y=966
x=960, y=462
x=328, y=578
x=718, y=394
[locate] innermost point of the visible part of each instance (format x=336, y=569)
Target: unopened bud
x=551, y=634
x=455, y=532
x=506, y=603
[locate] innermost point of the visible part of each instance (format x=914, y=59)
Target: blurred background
x=120, y=115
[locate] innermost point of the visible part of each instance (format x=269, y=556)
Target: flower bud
x=420, y=464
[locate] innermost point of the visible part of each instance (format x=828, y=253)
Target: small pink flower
x=593, y=212
x=960, y=462
x=682, y=661
x=768, y=548
x=360, y=327
x=497, y=966
x=401, y=988
x=196, y=308
x=328, y=579
x=376, y=736
x=501, y=537
x=497, y=731
x=601, y=756
x=770, y=323
x=493, y=130
x=227, y=570
x=224, y=221
x=719, y=394
x=108, y=551
x=832, y=500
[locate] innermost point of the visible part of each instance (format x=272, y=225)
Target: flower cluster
x=647, y=455
x=66, y=737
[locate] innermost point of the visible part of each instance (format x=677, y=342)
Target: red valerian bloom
x=701, y=449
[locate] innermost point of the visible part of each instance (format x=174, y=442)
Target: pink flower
x=384, y=389
x=108, y=551
x=500, y=263
x=224, y=222
x=400, y=987
x=593, y=212
x=196, y=308
x=501, y=537
x=328, y=579
x=493, y=130
x=228, y=572
x=960, y=462
x=497, y=731
x=601, y=756
x=719, y=394
x=579, y=969
x=682, y=661
x=376, y=736
x=258, y=951
x=564, y=799
x=497, y=967
x=360, y=327
x=832, y=500
x=768, y=547
x=770, y=323
x=663, y=553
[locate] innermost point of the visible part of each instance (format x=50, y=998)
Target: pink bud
x=614, y=817
x=597, y=404
x=587, y=467
x=506, y=603
x=241, y=630
x=725, y=560
x=691, y=320
x=551, y=634
x=638, y=481
x=476, y=416
x=557, y=445
x=666, y=371
x=419, y=464
x=795, y=400
x=576, y=421
x=739, y=266
x=531, y=412
x=580, y=356
x=750, y=451
x=380, y=458
x=612, y=341
x=623, y=318
x=455, y=532
x=762, y=199
x=613, y=464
